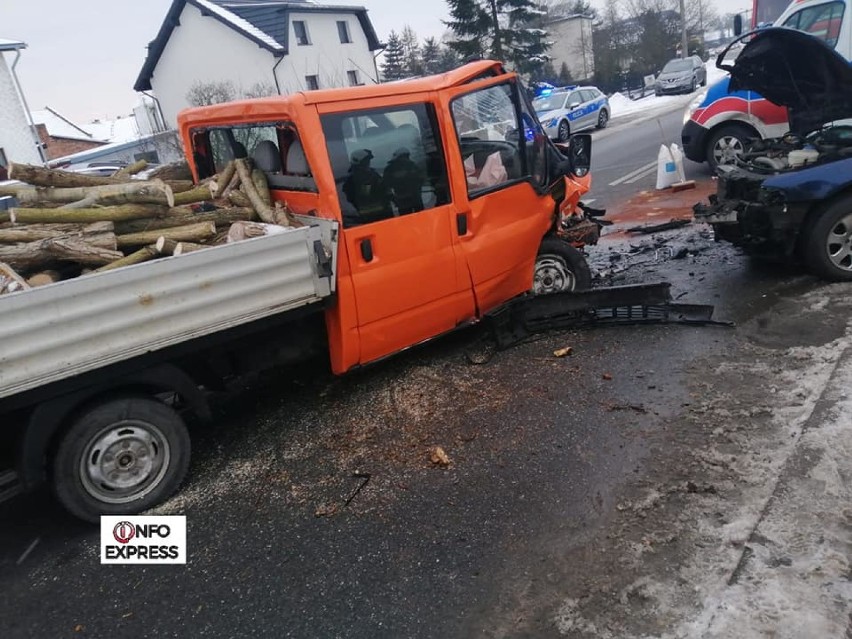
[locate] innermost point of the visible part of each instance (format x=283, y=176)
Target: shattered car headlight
x=693, y=106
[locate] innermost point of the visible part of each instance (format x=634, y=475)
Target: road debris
x=654, y=228
x=325, y=510
x=607, y=377
x=438, y=456
x=564, y=351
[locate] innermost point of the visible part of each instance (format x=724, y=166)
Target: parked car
x=681, y=75
x=791, y=196
x=571, y=109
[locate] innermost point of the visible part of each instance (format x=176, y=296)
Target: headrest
x=297, y=163
x=266, y=157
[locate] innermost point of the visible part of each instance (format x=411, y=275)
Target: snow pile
x=621, y=105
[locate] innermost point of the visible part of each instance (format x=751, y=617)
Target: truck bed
x=71, y=327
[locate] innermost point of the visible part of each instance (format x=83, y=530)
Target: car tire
x=827, y=247
x=726, y=142
x=559, y=267
x=692, y=86
x=603, y=119
x=563, y=132
x=120, y=457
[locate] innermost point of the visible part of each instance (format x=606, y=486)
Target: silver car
x=681, y=75
x=571, y=109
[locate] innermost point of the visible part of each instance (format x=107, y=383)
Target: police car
x=567, y=110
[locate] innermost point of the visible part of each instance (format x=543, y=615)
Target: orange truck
x=426, y=204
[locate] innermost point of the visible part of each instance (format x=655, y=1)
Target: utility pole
x=684, y=41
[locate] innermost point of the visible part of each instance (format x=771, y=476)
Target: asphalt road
x=624, y=156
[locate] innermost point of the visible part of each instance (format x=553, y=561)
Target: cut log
x=174, y=171
x=85, y=216
x=142, y=255
x=36, y=232
x=40, y=176
x=258, y=177
x=264, y=211
x=10, y=280
x=219, y=217
x=189, y=233
x=85, y=203
x=43, y=278
x=133, y=192
x=238, y=198
x=188, y=247
x=131, y=169
x=73, y=250
x=247, y=230
x=198, y=194
x=179, y=186
x=165, y=246
x=224, y=178
x=233, y=184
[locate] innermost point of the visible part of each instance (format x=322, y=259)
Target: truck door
x=498, y=152
x=398, y=225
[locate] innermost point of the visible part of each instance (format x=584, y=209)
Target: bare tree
x=207, y=93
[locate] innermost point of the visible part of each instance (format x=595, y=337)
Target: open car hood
x=795, y=70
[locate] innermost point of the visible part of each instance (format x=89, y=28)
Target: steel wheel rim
x=124, y=461
x=552, y=275
x=602, y=119
x=564, y=133
x=838, y=244
x=727, y=149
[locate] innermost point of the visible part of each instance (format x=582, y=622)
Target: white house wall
x=202, y=49
x=16, y=138
x=326, y=57
x=572, y=44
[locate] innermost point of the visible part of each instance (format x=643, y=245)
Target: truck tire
x=560, y=267
x=827, y=249
x=726, y=142
x=120, y=457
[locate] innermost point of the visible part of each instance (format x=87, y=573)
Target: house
x=571, y=37
x=60, y=136
x=18, y=141
x=257, y=46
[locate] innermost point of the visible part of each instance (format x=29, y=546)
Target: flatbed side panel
x=64, y=329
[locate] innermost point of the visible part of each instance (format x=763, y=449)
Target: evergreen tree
x=411, y=53
x=430, y=56
x=506, y=30
x=448, y=60
x=564, y=75
x=393, y=68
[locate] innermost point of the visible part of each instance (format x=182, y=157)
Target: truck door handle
x=367, y=249
x=461, y=223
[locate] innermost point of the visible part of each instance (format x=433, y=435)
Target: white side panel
x=67, y=328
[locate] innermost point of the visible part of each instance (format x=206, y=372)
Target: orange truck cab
x=448, y=195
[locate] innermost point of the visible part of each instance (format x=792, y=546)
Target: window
x=494, y=151
x=4, y=172
x=343, y=32
x=587, y=95
x=386, y=162
x=574, y=98
x=354, y=81
x=301, y=30
x=312, y=82
x=822, y=21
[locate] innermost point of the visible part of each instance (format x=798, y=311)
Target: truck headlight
x=693, y=106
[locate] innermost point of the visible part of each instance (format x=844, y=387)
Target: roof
x=61, y=127
x=11, y=45
x=264, y=22
x=282, y=107
x=119, y=130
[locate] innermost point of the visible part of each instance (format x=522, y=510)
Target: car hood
x=544, y=116
x=675, y=75
x=795, y=70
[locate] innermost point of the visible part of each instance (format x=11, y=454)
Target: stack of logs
x=68, y=224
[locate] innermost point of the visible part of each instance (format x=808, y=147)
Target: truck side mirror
x=580, y=154
x=738, y=24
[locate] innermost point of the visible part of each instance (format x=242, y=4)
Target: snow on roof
x=116, y=131
x=11, y=45
x=60, y=127
x=241, y=24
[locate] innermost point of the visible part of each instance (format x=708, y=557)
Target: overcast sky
x=84, y=55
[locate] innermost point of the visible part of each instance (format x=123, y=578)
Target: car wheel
x=564, y=131
x=559, y=267
x=828, y=242
x=692, y=86
x=726, y=145
x=603, y=119
x=120, y=457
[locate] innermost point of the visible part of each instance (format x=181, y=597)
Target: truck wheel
x=726, y=145
x=827, y=248
x=560, y=267
x=120, y=457
x=563, y=132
